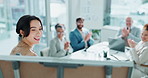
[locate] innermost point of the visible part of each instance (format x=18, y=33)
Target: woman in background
x=59, y=46
x=30, y=30
x=139, y=53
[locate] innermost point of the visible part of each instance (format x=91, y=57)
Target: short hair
x=24, y=24
x=79, y=19
x=145, y=27
x=58, y=26
x=129, y=17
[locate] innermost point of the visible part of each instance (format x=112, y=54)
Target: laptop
x=116, y=44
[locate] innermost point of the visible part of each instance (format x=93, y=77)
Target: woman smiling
x=30, y=30
x=139, y=53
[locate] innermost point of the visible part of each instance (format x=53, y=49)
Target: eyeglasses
x=80, y=22
x=60, y=33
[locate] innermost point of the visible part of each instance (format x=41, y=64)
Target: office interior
x=97, y=13
x=103, y=18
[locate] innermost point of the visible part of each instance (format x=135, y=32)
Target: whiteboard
x=92, y=11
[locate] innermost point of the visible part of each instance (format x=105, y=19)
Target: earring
x=22, y=36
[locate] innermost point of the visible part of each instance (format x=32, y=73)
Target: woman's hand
x=66, y=45
x=131, y=43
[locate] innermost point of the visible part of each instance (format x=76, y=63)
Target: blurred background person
x=80, y=38
x=59, y=46
x=139, y=53
x=30, y=30
x=129, y=32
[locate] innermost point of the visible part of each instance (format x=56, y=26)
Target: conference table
x=93, y=56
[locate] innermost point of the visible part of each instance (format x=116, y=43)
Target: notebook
x=116, y=44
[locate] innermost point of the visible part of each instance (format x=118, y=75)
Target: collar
x=80, y=30
x=143, y=43
x=62, y=38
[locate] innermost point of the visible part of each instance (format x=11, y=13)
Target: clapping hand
x=125, y=32
x=66, y=45
x=131, y=43
x=87, y=37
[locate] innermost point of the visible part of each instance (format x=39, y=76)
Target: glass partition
x=10, y=12
x=137, y=9
x=59, y=14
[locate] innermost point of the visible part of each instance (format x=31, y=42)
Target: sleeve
x=135, y=37
x=53, y=50
x=90, y=42
x=142, y=58
x=76, y=45
x=119, y=33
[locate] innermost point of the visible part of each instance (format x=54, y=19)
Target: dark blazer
x=77, y=41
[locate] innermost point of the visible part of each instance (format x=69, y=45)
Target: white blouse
x=140, y=53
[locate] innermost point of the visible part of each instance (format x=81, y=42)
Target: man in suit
x=80, y=38
x=130, y=31
x=59, y=46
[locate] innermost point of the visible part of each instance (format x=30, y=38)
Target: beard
x=80, y=26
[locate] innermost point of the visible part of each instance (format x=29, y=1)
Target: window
x=137, y=9
x=58, y=13
x=10, y=12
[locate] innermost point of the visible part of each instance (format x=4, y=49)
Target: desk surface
x=90, y=58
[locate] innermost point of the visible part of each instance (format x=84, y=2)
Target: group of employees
x=30, y=30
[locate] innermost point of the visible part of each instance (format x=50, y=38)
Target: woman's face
x=144, y=36
x=60, y=32
x=35, y=32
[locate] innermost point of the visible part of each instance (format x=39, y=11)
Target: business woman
x=139, y=53
x=29, y=29
x=59, y=46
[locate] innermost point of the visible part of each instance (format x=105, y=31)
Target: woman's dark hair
x=59, y=26
x=79, y=19
x=24, y=24
x=145, y=27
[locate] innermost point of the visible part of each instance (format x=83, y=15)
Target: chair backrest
x=1, y=75
x=142, y=70
x=6, y=68
x=144, y=65
x=36, y=70
x=45, y=52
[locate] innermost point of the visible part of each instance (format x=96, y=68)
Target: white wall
x=73, y=9
x=91, y=10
